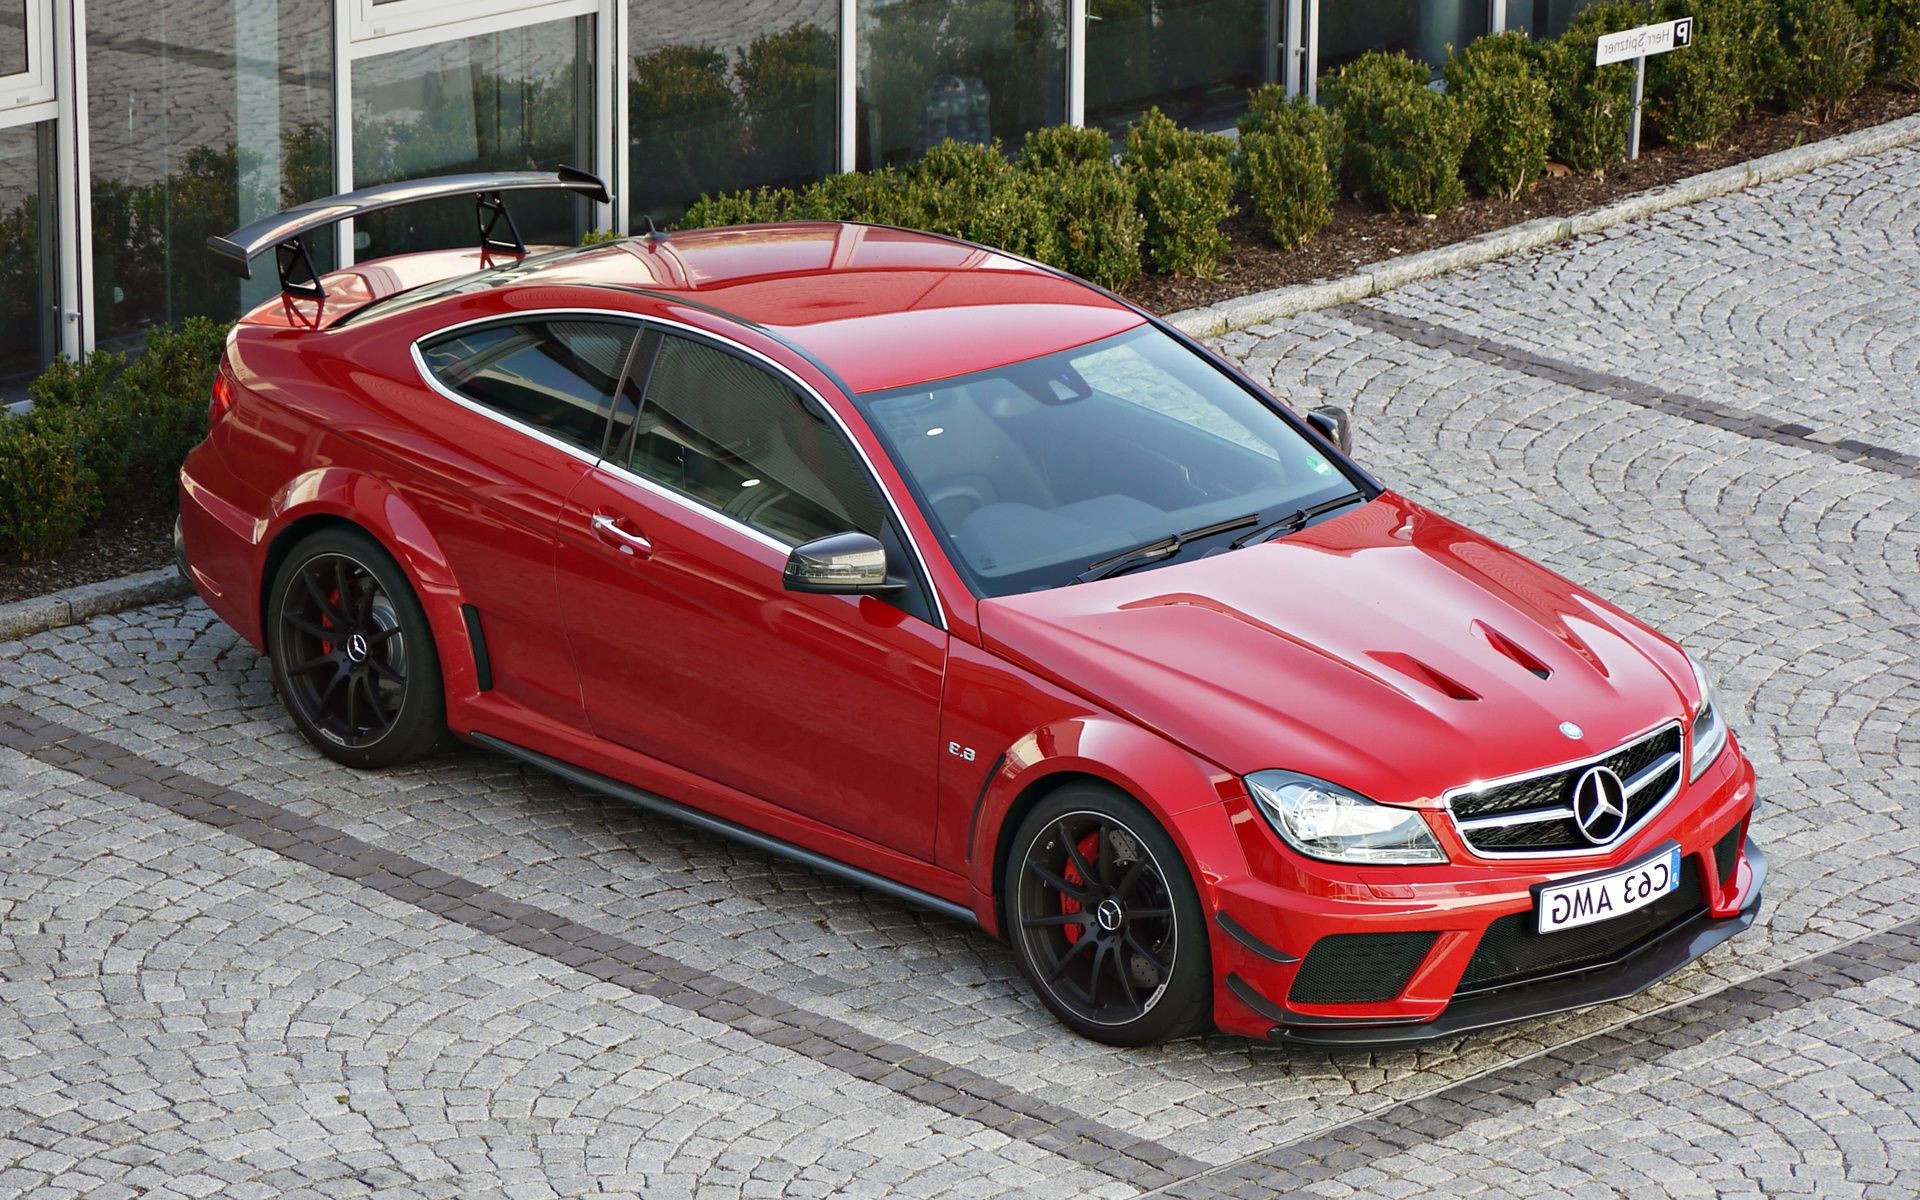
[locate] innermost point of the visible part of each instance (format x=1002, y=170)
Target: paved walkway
x=229, y=968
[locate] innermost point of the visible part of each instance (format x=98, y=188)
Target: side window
x=557, y=376
x=734, y=436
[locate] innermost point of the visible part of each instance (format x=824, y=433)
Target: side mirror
x=840, y=564
x=1335, y=425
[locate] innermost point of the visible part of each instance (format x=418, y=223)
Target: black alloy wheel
x=1103, y=917
x=353, y=657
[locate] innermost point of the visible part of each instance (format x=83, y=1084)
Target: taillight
x=222, y=399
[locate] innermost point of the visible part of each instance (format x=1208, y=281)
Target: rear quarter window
x=558, y=377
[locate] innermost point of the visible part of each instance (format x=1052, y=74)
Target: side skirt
x=692, y=816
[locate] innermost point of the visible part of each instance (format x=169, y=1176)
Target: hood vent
x=1420, y=672
x=1512, y=649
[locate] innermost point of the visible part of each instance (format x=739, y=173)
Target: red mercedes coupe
x=943, y=572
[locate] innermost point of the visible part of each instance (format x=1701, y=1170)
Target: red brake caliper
x=1088, y=847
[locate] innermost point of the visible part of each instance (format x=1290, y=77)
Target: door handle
x=607, y=528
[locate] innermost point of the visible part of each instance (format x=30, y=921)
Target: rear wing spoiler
x=285, y=233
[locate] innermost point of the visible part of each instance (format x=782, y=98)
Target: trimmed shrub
x=48, y=492
x=759, y=206
x=1065, y=146
x=104, y=430
x=1894, y=26
x=971, y=191
x=1097, y=225
x=1696, y=95
x=1288, y=150
x=1184, y=183
x=876, y=197
x=1404, y=141
x=1828, y=55
x=1509, y=109
x=1591, y=105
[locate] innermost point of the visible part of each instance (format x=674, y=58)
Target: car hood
x=1387, y=649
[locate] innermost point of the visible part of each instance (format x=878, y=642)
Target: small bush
x=1591, y=105
x=1696, y=95
x=1510, y=110
x=1828, y=55
x=106, y=430
x=971, y=191
x=876, y=197
x=1894, y=26
x=48, y=492
x=1064, y=146
x=1184, y=183
x=758, y=206
x=1288, y=152
x=1096, y=223
x=1404, y=141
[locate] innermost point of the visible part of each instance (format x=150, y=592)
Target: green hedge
x=1509, y=109
x=1590, y=104
x=1184, y=179
x=1894, y=26
x=1289, y=159
x=1829, y=53
x=1404, y=141
x=108, y=431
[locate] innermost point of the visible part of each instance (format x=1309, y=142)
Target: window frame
x=607, y=420
x=27, y=92
x=922, y=575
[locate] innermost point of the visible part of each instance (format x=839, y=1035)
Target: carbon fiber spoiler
x=285, y=233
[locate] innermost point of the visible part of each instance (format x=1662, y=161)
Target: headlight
x=1709, y=727
x=1323, y=821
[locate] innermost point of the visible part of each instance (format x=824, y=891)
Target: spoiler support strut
x=286, y=233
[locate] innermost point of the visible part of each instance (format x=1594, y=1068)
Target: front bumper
x=1318, y=954
x=1630, y=974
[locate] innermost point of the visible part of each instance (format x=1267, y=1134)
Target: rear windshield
x=476, y=281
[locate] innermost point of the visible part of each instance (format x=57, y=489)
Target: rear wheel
x=353, y=657
x=1104, y=919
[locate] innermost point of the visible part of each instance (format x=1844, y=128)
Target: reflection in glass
x=1195, y=59
x=13, y=36
x=519, y=100
x=1422, y=28
x=214, y=114
x=27, y=246
x=971, y=70
x=1543, y=18
x=716, y=102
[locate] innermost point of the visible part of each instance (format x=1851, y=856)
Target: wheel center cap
x=1109, y=914
x=357, y=647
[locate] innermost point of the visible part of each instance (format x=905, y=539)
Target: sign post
x=1638, y=45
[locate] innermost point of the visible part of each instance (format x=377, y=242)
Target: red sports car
x=946, y=573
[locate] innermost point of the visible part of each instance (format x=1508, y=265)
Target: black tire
x=1113, y=941
x=353, y=657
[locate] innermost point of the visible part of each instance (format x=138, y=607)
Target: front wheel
x=353, y=657
x=1104, y=920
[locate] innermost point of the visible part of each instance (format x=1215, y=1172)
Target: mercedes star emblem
x=1600, y=806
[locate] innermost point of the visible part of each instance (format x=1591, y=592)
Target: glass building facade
x=131, y=130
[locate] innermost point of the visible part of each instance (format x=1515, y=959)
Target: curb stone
x=73, y=605
x=1242, y=312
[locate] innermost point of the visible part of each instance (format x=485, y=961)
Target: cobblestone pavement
x=227, y=967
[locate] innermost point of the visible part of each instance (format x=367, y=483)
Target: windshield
x=1034, y=472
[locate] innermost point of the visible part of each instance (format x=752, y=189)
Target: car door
x=689, y=647
x=528, y=408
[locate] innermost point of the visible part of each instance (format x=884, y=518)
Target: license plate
x=1614, y=894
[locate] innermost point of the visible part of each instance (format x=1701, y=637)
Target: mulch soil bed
x=121, y=544
x=1359, y=236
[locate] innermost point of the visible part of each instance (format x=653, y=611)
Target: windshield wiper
x=1154, y=551
x=1295, y=520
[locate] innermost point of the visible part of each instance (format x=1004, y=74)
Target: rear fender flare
x=371, y=505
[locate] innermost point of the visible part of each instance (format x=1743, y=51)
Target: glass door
x=29, y=234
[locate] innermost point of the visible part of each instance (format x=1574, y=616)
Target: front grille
x=1513, y=952
x=1359, y=968
x=1726, y=852
x=1535, y=815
